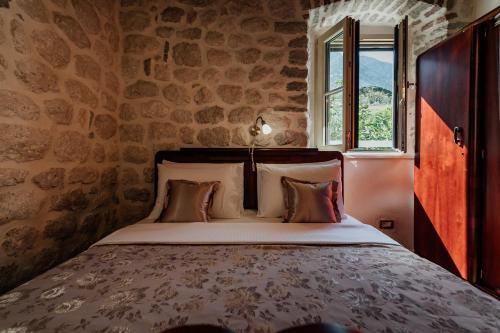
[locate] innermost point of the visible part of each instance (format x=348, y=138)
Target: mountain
x=372, y=72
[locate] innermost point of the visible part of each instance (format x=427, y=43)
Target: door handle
x=457, y=135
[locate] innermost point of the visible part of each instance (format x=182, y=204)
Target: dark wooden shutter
x=400, y=83
x=355, y=108
x=351, y=78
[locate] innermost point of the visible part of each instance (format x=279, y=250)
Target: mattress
x=249, y=230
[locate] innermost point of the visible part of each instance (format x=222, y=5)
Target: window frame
x=351, y=30
x=320, y=122
x=328, y=92
x=320, y=84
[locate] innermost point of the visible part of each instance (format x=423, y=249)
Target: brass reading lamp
x=255, y=130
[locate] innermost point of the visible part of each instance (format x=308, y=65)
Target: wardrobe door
x=444, y=105
x=489, y=109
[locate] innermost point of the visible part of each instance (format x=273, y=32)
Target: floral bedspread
x=248, y=288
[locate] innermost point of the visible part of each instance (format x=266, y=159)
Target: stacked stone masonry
x=91, y=89
x=60, y=87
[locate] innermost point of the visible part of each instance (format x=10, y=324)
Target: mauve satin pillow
x=310, y=202
x=188, y=201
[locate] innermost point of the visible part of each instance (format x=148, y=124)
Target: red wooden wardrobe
x=457, y=178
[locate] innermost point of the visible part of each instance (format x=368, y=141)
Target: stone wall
x=91, y=89
x=59, y=152
x=197, y=73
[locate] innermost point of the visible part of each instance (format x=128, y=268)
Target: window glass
x=376, y=91
x=334, y=90
x=335, y=118
x=335, y=54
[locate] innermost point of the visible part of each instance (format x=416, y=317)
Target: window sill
x=378, y=155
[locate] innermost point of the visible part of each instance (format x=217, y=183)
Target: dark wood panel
x=400, y=84
x=444, y=101
x=239, y=155
x=490, y=116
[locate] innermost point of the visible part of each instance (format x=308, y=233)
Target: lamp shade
x=266, y=129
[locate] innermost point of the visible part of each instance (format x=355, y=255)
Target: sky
x=385, y=56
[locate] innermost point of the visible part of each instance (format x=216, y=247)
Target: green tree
x=375, y=114
x=335, y=117
x=375, y=124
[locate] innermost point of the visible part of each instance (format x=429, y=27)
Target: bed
x=249, y=274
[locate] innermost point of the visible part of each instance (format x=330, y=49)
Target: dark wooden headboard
x=239, y=155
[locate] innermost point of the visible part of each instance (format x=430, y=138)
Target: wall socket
x=386, y=224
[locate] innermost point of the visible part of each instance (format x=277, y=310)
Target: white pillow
x=286, y=166
x=238, y=183
x=228, y=200
x=270, y=192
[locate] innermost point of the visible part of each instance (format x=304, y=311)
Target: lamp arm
x=254, y=131
x=262, y=121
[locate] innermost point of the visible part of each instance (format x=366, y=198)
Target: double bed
x=248, y=274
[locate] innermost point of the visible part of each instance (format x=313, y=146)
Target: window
x=360, y=103
x=334, y=94
x=375, y=127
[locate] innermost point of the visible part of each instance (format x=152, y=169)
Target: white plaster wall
x=484, y=6
x=381, y=187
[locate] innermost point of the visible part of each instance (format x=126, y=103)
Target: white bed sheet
x=249, y=229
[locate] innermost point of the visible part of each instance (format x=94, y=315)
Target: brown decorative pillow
x=188, y=201
x=310, y=202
